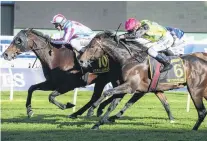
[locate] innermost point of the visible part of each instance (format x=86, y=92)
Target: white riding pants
x=80, y=42
x=155, y=47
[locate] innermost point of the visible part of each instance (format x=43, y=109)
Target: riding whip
x=34, y=62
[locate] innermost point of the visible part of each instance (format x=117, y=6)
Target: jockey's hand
x=48, y=38
x=117, y=38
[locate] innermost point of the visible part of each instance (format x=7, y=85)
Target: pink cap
x=131, y=23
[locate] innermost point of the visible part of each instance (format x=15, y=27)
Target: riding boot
x=163, y=59
x=168, y=52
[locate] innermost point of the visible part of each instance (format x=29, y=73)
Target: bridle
x=35, y=44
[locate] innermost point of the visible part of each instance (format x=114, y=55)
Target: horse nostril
x=5, y=55
x=80, y=61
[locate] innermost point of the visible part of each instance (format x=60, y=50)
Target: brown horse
x=201, y=55
x=62, y=72
x=135, y=72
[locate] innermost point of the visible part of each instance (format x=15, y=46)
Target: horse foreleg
x=109, y=100
x=45, y=86
x=124, y=88
x=131, y=101
x=163, y=100
x=104, y=119
x=95, y=96
x=106, y=102
x=98, y=88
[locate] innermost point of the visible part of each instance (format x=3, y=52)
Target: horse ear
x=28, y=30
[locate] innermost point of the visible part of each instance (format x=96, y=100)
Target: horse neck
x=64, y=59
x=54, y=58
x=119, y=54
x=43, y=56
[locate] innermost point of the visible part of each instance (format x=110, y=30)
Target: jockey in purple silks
x=75, y=33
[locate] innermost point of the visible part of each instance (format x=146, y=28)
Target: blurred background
x=189, y=16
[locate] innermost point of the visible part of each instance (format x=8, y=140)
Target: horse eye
x=18, y=41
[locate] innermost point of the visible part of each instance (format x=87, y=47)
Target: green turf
x=146, y=120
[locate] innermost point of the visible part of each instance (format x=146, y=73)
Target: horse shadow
x=62, y=120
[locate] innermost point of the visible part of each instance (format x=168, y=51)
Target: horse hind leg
x=163, y=99
x=197, y=96
x=58, y=104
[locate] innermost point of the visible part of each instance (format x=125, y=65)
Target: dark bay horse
x=135, y=72
x=201, y=55
x=62, y=72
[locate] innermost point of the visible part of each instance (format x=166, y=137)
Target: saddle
x=176, y=75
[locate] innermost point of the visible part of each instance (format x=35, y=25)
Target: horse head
x=24, y=41
x=96, y=48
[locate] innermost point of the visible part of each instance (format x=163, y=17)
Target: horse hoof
x=95, y=127
x=99, y=113
x=30, y=114
x=69, y=105
x=111, y=119
x=172, y=121
x=72, y=116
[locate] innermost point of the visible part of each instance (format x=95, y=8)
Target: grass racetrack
x=146, y=120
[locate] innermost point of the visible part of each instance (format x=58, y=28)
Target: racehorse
x=201, y=55
x=62, y=72
x=135, y=69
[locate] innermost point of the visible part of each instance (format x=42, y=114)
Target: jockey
x=152, y=35
x=179, y=37
x=75, y=33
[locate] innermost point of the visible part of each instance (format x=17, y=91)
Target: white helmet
x=59, y=19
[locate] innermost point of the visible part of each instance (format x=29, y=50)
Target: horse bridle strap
x=38, y=48
x=44, y=47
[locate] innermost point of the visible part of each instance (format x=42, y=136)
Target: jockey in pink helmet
x=152, y=35
x=75, y=33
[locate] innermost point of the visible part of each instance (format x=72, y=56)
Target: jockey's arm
x=136, y=34
x=142, y=30
x=173, y=34
x=69, y=32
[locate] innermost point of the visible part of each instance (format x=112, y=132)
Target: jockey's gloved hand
x=117, y=38
x=48, y=38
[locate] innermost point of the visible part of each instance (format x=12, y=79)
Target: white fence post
x=11, y=85
x=188, y=103
x=75, y=98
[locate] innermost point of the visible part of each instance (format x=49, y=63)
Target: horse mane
x=105, y=34
x=138, y=50
x=110, y=35
x=38, y=33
